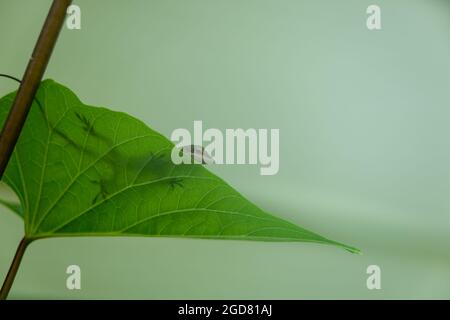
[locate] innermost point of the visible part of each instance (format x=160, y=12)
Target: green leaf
x=88, y=171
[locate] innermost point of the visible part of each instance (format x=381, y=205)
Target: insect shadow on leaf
x=176, y=182
x=156, y=165
x=85, y=122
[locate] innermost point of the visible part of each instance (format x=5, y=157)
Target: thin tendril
x=10, y=77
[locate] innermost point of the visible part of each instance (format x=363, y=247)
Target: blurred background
x=364, y=132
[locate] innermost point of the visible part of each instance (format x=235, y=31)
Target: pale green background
x=364, y=123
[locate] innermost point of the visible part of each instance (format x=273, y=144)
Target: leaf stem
x=21, y=106
x=7, y=284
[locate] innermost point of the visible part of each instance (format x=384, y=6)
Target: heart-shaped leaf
x=80, y=170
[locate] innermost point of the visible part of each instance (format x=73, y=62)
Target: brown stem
x=31, y=80
x=21, y=106
x=7, y=284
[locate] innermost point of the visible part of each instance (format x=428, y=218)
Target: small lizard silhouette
x=157, y=165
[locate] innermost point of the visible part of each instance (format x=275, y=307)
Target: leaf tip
x=353, y=250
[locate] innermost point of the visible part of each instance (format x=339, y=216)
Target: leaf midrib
x=123, y=190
